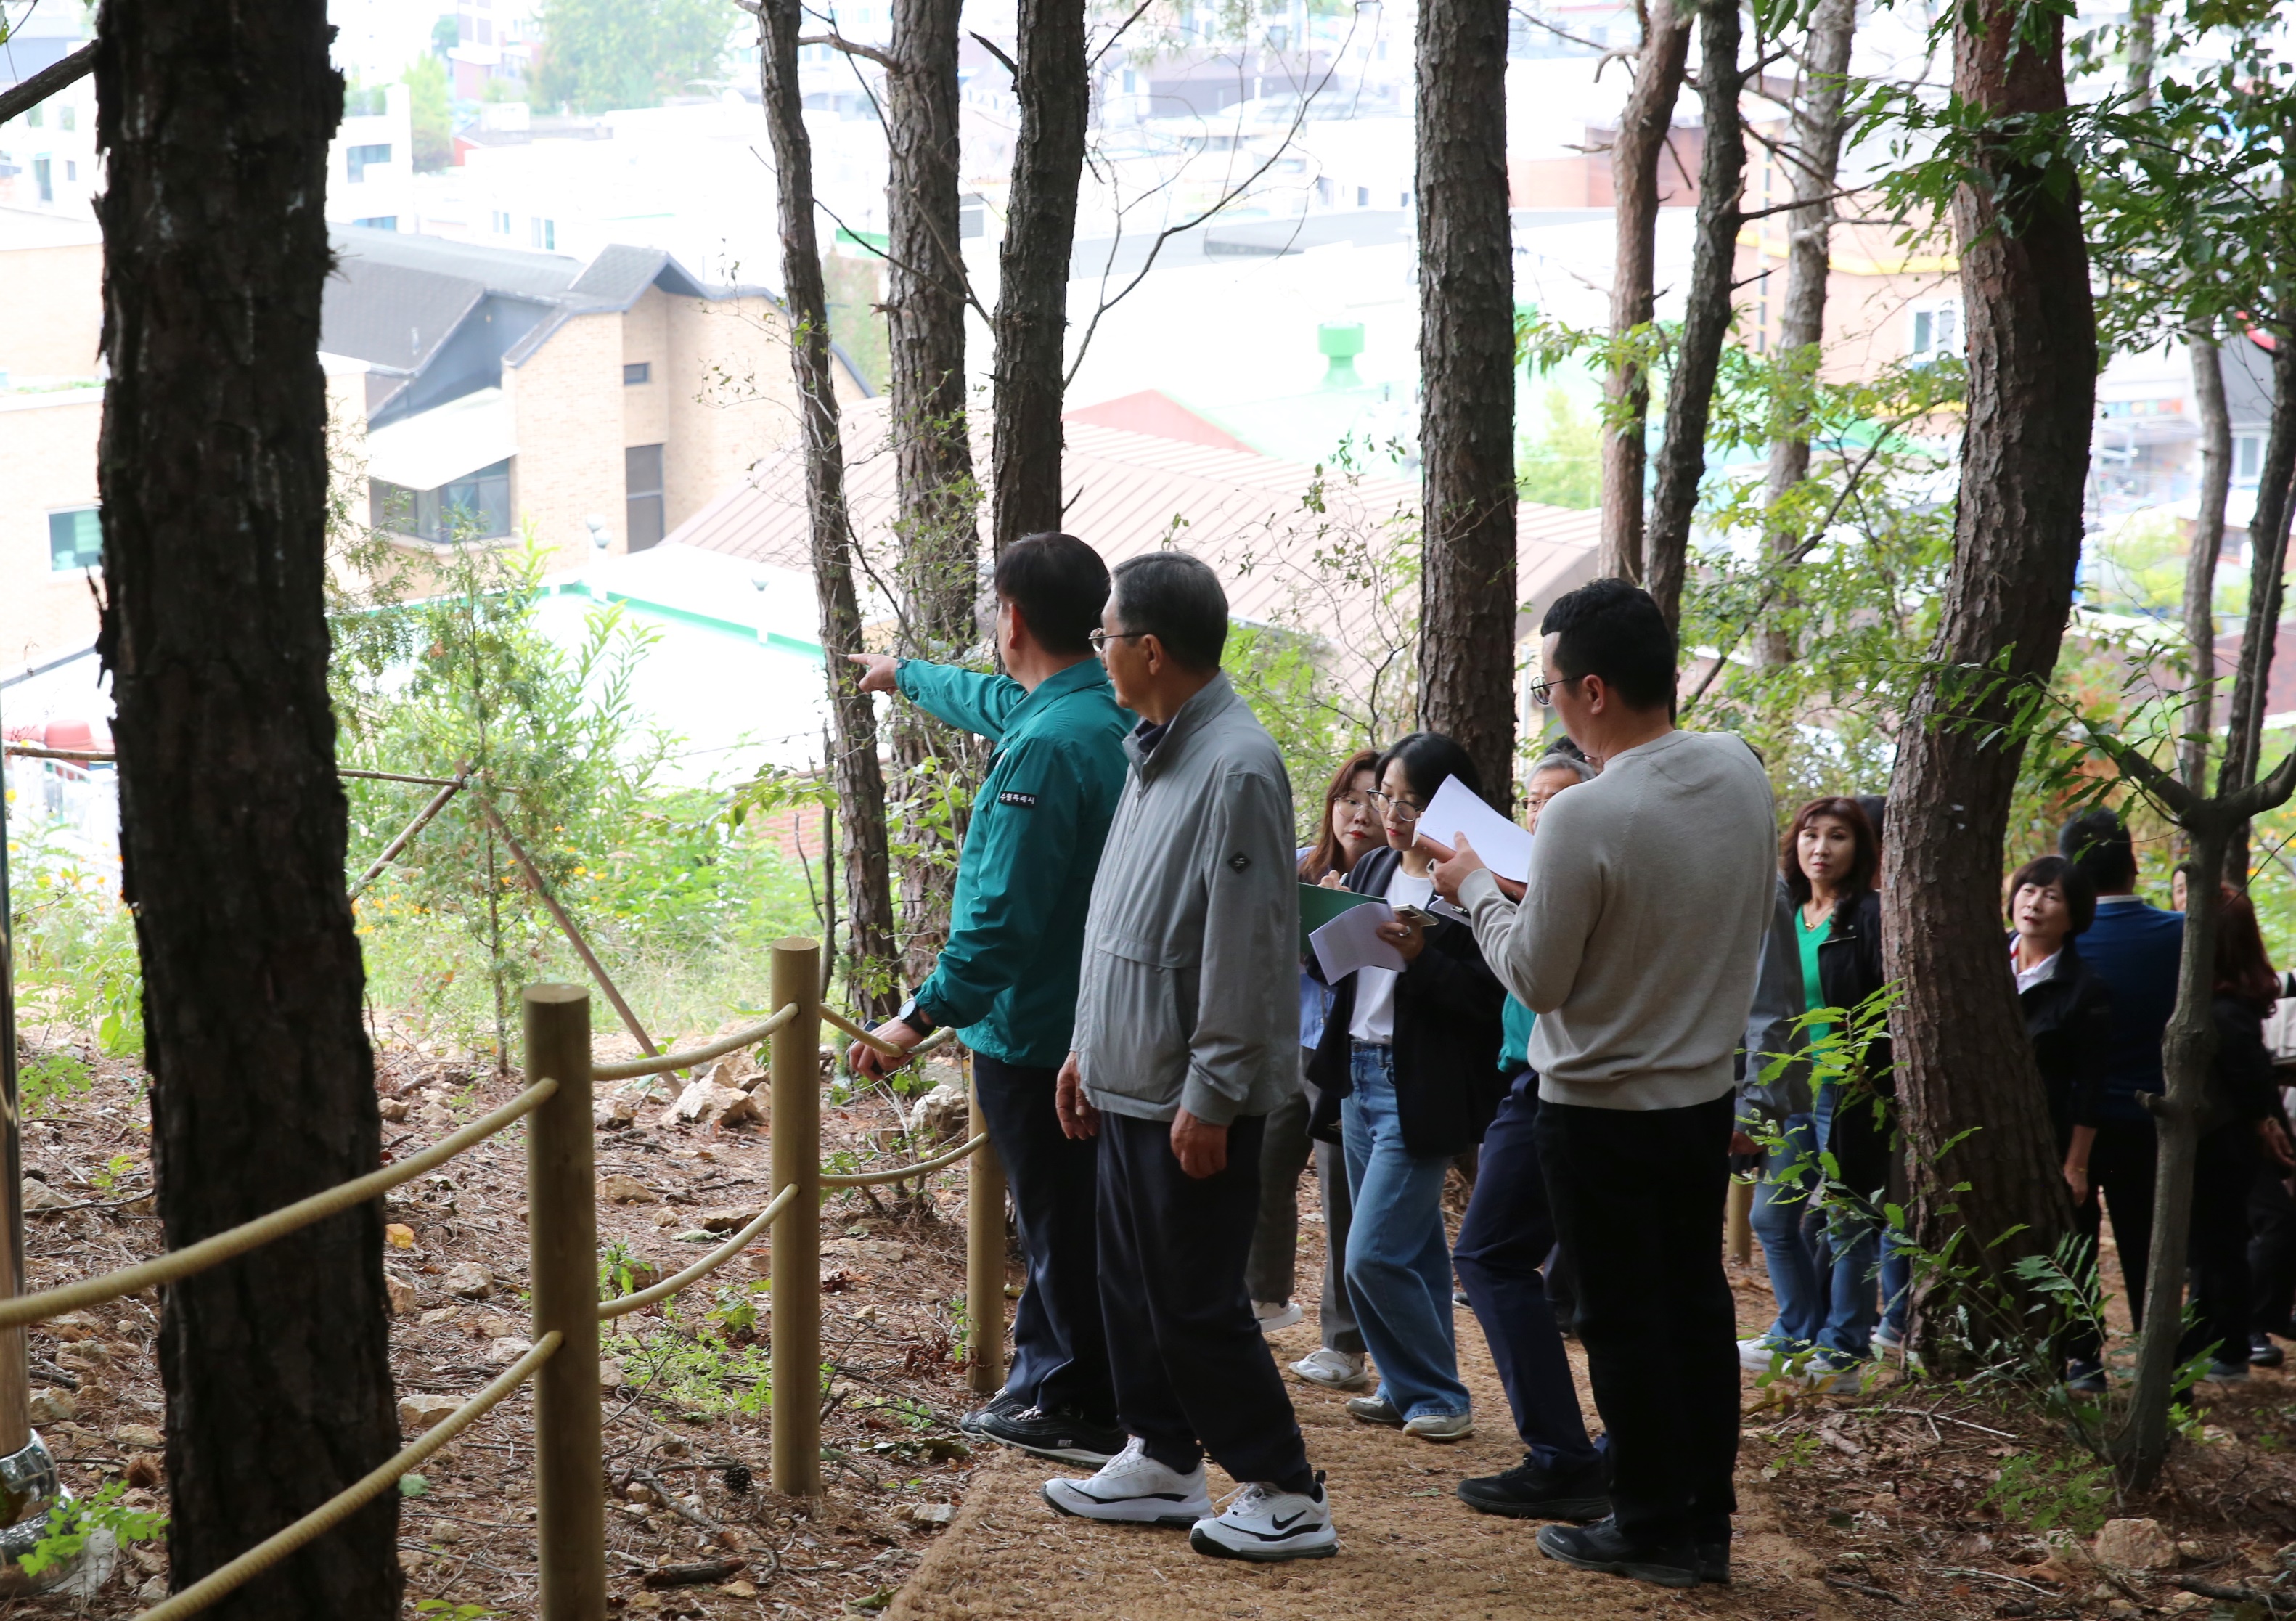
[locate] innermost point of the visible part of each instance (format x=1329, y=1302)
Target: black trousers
x=2271, y=1249
x=2120, y=1165
x=2223, y=1172
x=1504, y=1241
x=1637, y=1197
x=1059, y=1348
x=1193, y=1373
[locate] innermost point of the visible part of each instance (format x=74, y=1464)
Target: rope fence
x=562, y=1235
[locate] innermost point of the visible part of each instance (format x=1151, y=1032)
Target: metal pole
x=796, y=1129
x=984, y=1262
x=562, y=1246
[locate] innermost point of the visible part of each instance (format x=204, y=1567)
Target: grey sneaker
x=1440, y=1426
x=1332, y=1370
x=1374, y=1409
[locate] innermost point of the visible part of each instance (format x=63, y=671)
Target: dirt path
x=1408, y=1550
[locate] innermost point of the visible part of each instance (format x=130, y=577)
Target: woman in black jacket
x=1409, y=1070
x=2069, y=1020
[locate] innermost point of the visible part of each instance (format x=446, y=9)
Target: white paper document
x=1456, y=809
x=1351, y=941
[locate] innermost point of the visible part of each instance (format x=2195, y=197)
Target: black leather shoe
x=1528, y=1491
x=1066, y=1437
x=1714, y=1563
x=1601, y=1546
x=2263, y=1354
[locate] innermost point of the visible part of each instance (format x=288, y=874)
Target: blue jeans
x=1822, y=1261
x=1398, y=1265
x=1897, y=1284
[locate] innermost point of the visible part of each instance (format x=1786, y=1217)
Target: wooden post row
x=562, y=1246
x=796, y=1291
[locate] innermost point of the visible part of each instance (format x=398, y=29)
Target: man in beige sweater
x=1637, y=942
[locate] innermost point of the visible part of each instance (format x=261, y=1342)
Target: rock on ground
x=941, y=1115
x=422, y=1411
x=2136, y=1544
x=471, y=1280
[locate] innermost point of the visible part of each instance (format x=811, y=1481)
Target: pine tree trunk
x=1466, y=349
x=1964, y=1063
x=858, y=775
x=213, y=470
x=1706, y=319
x=1817, y=123
x=1055, y=88
x=1634, y=158
x=940, y=540
x=2208, y=547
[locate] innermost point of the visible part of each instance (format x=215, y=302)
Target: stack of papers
x=1351, y=941
x=1319, y=905
x=1456, y=809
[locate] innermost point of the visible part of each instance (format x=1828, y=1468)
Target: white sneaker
x=1266, y=1525
x=1274, y=1314
x=1826, y=1377
x=1757, y=1354
x=1332, y=1370
x=1132, y=1488
x=1440, y=1426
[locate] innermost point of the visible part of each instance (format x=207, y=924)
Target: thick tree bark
x=2267, y=550
x=2208, y=546
x=940, y=539
x=213, y=470
x=859, y=776
x=1466, y=350
x=1706, y=319
x=1055, y=88
x=1817, y=123
x=1964, y=1063
x=1634, y=158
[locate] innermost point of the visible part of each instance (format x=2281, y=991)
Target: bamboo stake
x=1738, y=1222
x=581, y=946
x=421, y=820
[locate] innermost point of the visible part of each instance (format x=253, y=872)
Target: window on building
x=1937, y=330
x=44, y=180
x=545, y=234
x=356, y=158
x=633, y=375
x=2247, y=458
x=501, y=222
x=475, y=507
x=1363, y=196
x=75, y=540
x=68, y=118
x=71, y=171
x=379, y=222
x=972, y=217
x=642, y=484
x=32, y=119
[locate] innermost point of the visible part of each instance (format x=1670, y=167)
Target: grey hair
x=1177, y=599
x=1560, y=761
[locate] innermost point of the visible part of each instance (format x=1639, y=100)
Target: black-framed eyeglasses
x=1100, y=639
x=1394, y=804
x=1542, y=692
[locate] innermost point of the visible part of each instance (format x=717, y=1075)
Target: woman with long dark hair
x=1349, y=828
x=1409, y=1065
x=1823, y=950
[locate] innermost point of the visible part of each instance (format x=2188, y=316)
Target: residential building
x=47, y=152
x=371, y=160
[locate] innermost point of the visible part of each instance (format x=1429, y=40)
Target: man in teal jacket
x=1007, y=976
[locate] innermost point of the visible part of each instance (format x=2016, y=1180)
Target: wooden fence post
x=563, y=1244
x=984, y=1261
x=796, y=1127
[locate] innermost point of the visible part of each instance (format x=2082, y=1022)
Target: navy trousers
x=1193, y=1373
x=1059, y=1348
x=1637, y=1198
x=1503, y=1245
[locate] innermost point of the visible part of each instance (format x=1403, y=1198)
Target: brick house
x=487, y=390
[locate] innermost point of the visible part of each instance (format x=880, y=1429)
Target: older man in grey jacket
x=1187, y=1017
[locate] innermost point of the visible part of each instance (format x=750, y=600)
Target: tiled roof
x=1247, y=515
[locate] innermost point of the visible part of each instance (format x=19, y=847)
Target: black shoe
x=2085, y=1377
x=1003, y=1403
x=1601, y=1546
x=2262, y=1353
x=1065, y=1437
x=1528, y=1491
x=1714, y=1563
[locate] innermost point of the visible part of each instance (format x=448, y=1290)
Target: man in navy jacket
x=2134, y=947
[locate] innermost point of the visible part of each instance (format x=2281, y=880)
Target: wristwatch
x=914, y=1016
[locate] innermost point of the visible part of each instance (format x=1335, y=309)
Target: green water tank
x=1340, y=341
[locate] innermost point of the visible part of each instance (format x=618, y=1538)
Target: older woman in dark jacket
x=1408, y=1071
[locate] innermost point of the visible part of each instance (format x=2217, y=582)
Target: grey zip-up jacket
x=1190, y=990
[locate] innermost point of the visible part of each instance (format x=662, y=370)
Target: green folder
x=1319, y=905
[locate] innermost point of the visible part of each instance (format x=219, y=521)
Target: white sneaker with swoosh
x=1132, y=1488
x=1265, y=1524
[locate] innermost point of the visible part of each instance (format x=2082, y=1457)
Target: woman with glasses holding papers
x=1406, y=1068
